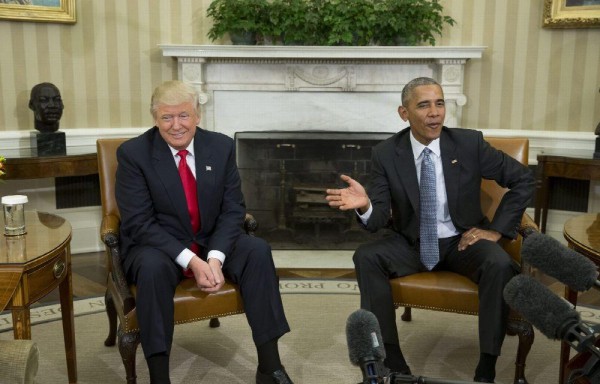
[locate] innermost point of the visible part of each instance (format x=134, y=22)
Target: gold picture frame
x=25, y=10
x=571, y=14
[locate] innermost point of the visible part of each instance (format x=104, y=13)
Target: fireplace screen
x=284, y=178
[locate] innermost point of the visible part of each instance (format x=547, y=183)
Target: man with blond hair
x=182, y=210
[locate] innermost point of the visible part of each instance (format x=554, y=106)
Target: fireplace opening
x=284, y=178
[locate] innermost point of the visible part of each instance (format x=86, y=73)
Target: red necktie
x=189, y=187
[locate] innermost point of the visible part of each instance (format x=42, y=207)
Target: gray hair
x=174, y=92
x=408, y=89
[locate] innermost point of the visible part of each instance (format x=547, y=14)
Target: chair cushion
x=191, y=304
x=440, y=290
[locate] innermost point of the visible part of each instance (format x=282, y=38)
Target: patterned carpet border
x=88, y=306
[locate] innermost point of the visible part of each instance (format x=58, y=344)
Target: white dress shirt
x=445, y=227
x=183, y=259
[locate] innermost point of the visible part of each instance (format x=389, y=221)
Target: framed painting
x=52, y=11
x=571, y=13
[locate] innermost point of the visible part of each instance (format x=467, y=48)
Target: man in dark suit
x=169, y=232
x=464, y=240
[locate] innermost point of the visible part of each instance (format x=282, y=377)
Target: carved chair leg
x=524, y=331
x=407, y=315
x=128, y=343
x=214, y=323
x=111, y=312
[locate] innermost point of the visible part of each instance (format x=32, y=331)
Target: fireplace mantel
x=262, y=88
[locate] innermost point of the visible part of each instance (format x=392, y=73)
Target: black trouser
x=484, y=262
x=250, y=266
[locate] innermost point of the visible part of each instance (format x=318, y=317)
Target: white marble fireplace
x=295, y=88
x=303, y=115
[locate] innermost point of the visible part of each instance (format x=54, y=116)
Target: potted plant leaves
x=241, y=19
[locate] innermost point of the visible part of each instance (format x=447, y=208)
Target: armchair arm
x=109, y=233
x=110, y=225
x=528, y=226
x=250, y=224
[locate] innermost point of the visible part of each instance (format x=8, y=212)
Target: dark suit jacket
x=152, y=202
x=466, y=159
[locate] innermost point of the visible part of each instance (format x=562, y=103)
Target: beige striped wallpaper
x=107, y=64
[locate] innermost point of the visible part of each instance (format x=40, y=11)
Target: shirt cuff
x=365, y=216
x=214, y=254
x=183, y=259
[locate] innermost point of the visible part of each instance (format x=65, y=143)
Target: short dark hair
x=408, y=89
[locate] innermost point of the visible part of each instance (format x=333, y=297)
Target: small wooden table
x=583, y=235
x=50, y=166
x=31, y=266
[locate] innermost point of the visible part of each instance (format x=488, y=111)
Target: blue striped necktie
x=430, y=252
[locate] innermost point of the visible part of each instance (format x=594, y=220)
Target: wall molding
x=564, y=143
x=86, y=220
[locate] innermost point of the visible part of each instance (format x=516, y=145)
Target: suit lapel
x=167, y=172
x=205, y=175
x=405, y=167
x=451, y=165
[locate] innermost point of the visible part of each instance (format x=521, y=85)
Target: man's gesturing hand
x=352, y=197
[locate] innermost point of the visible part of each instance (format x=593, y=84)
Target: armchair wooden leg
x=407, y=315
x=128, y=343
x=214, y=323
x=111, y=312
x=524, y=330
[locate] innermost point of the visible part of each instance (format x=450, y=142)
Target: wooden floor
x=89, y=279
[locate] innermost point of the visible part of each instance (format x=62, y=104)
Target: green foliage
x=331, y=22
x=348, y=22
x=236, y=16
x=409, y=22
x=297, y=22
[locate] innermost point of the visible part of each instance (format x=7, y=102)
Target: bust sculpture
x=47, y=106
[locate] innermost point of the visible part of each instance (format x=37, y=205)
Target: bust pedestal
x=48, y=143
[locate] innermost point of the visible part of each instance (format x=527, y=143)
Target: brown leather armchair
x=191, y=304
x=451, y=292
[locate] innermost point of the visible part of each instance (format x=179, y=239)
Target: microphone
x=365, y=349
x=552, y=315
x=365, y=345
x=554, y=259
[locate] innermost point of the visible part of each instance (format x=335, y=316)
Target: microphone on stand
x=554, y=317
x=365, y=345
x=365, y=349
x=554, y=259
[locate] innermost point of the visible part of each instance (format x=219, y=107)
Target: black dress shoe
x=482, y=380
x=280, y=376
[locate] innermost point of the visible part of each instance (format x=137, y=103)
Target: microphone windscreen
x=554, y=259
x=538, y=305
x=364, y=337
